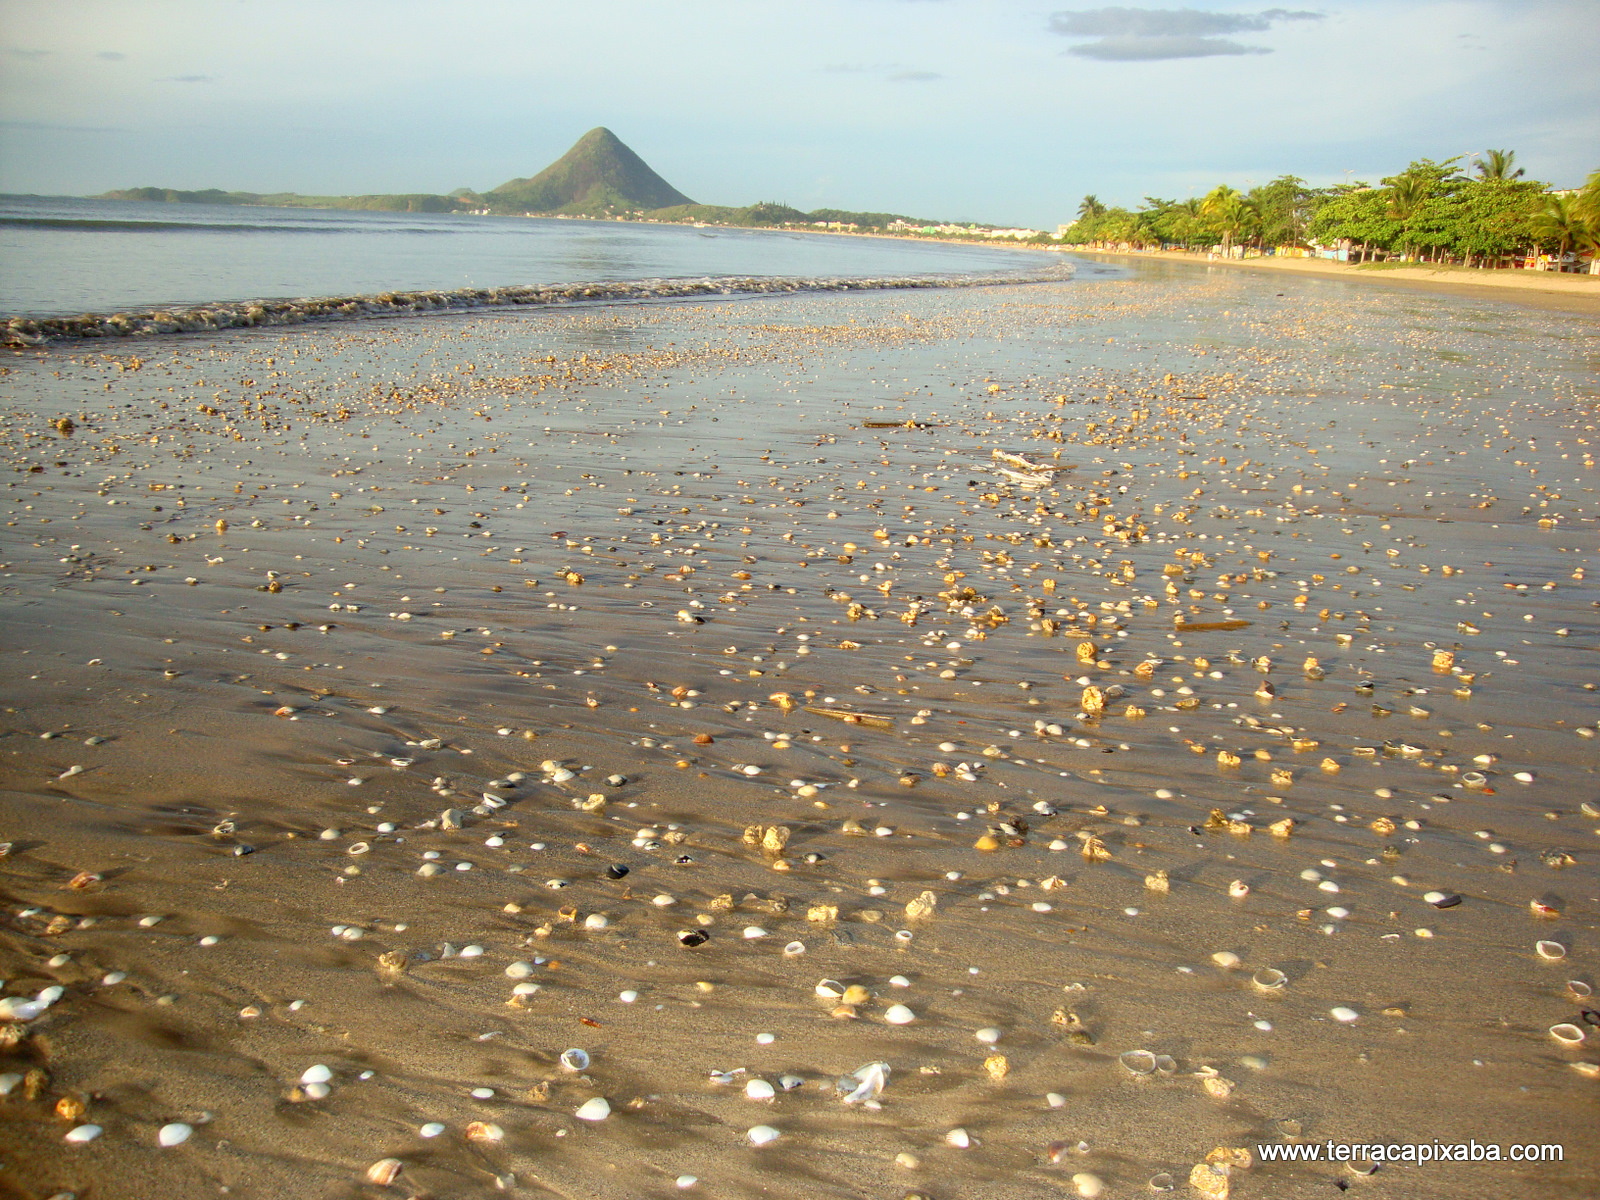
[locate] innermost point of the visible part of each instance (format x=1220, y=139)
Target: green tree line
x=1433, y=211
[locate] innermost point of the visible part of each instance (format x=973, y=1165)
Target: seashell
x=1238, y=889
x=1550, y=950
x=316, y=1074
x=174, y=1134
x=575, y=1059
x=1579, y=989
x=794, y=949
x=1161, y=1182
x=484, y=1131
x=959, y=1138
x=864, y=1083
x=1442, y=899
x=693, y=937
x=1227, y=960
x=754, y=932
x=759, y=1089
x=1567, y=1033
x=1140, y=1062
x=856, y=994
x=80, y=1134
x=596, y=1109
x=762, y=1135
x=431, y=1130
x=1343, y=1015
x=385, y=1171
x=1269, y=979
x=899, y=1014
x=989, y=1035
x=1088, y=1185
x=1210, y=1180
x=829, y=989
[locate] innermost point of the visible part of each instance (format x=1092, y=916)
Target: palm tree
x=1091, y=208
x=1496, y=165
x=1586, y=204
x=1229, y=213
x=1406, y=197
x=1558, y=222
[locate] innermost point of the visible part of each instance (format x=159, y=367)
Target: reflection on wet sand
x=446, y=755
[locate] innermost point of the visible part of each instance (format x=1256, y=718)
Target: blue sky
x=960, y=109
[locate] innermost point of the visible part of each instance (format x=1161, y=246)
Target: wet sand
x=342, y=664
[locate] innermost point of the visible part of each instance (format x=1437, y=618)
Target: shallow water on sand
x=697, y=547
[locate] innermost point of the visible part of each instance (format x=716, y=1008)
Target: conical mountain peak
x=599, y=176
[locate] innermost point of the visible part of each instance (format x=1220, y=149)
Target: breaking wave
x=34, y=331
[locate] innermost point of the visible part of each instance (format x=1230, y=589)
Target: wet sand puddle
x=1152, y=719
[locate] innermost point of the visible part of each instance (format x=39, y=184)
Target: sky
x=981, y=110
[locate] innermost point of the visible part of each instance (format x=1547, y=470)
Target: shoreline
x=1579, y=293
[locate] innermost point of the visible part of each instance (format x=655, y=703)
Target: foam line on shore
x=34, y=331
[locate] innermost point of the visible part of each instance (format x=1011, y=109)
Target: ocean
x=63, y=255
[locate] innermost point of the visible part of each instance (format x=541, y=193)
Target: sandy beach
x=1046, y=740
x=1550, y=289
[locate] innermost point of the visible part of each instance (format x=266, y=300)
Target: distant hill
x=415, y=202
x=598, y=177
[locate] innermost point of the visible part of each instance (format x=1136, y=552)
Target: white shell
x=175, y=1134
x=1140, y=1062
x=597, y=1109
x=794, y=948
x=431, y=1130
x=1226, y=959
x=575, y=1059
x=1567, y=1033
x=1551, y=950
x=988, y=1035
x=752, y=932
x=871, y=1080
x=316, y=1074
x=81, y=1134
x=761, y=1135
x=829, y=989
x=958, y=1138
x=1343, y=1014
x=759, y=1089
x=899, y=1014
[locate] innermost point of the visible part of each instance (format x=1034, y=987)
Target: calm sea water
x=61, y=255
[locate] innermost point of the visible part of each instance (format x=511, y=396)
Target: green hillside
x=415, y=202
x=598, y=177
